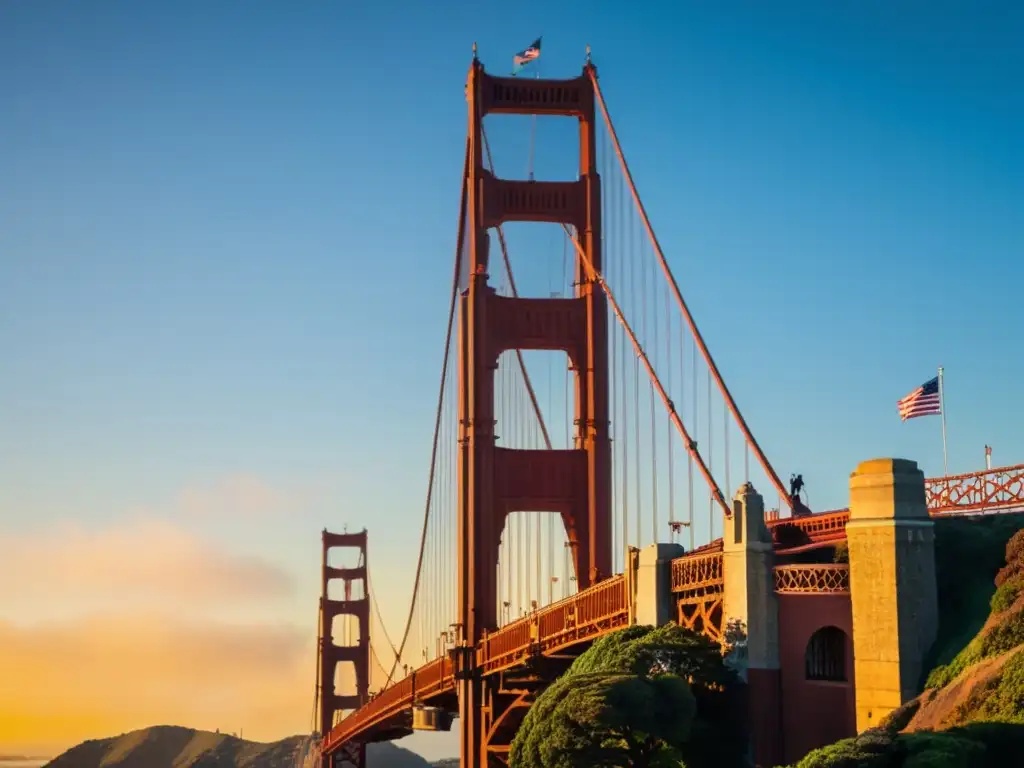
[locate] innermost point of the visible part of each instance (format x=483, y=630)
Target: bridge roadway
x=581, y=618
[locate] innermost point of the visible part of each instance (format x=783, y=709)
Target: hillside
x=166, y=746
x=985, y=680
x=971, y=713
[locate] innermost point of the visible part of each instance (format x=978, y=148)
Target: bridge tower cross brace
x=331, y=654
x=495, y=481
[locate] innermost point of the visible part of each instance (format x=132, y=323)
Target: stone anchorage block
x=887, y=489
x=654, y=601
x=892, y=584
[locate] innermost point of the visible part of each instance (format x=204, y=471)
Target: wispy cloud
x=148, y=559
x=101, y=676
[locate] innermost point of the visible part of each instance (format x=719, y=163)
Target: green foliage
x=841, y=553
x=871, y=749
x=1014, y=568
x=611, y=719
x=968, y=555
x=640, y=696
x=1005, y=596
x=900, y=717
x=1001, y=637
x=1000, y=699
x=937, y=750
x=980, y=745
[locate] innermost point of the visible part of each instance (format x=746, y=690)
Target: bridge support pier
x=891, y=542
x=751, y=620
x=655, y=601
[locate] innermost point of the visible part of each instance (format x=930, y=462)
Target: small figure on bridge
x=796, y=484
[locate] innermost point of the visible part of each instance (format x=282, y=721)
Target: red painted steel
x=330, y=655
x=812, y=579
x=577, y=619
x=989, y=490
x=697, y=571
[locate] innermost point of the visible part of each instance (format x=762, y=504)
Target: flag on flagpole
x=923, y=401
x=525, y=56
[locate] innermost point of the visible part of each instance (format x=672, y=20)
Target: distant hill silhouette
x=167, y=746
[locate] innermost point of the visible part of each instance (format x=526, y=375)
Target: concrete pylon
x=891, y=541
x=751, y=616
x=655, y=603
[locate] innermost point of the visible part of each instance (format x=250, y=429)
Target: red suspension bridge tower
x=495, y=481
x=355, y=653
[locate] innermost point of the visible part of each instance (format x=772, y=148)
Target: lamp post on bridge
x=676, y=526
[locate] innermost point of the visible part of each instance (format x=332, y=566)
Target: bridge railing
x=698, y=572
x=817, y=528
x=812, y=579
x=429, y=680
x=575, y=619
x=571, y=620
x=992, y=489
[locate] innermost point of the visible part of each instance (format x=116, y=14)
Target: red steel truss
x=698, y=581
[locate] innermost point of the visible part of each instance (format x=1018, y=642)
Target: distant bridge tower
x=357, y=654
x=493, y=481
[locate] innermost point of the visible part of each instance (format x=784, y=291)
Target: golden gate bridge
x=528, y=527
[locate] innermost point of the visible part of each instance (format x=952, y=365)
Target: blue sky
x=226, y=233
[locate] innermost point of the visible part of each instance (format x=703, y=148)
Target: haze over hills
x=166, y=746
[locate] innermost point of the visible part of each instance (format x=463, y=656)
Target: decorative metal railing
x=991, y=490
x=817, y=579
x=695, y=575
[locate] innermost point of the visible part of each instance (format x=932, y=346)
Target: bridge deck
x=553, y=629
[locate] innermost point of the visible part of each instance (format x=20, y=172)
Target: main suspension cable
x=440, y=404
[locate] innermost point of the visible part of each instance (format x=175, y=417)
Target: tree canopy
x=639, y=697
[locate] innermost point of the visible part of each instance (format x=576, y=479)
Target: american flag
x=524, y=57
x=923, y=401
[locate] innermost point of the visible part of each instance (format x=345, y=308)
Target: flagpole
x=942, y=409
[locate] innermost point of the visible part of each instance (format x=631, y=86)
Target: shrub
x=872, y=749
x=1014, y=568
x=900, y=718
x=1005, y=596
x=1000, y=699
x=925, y=749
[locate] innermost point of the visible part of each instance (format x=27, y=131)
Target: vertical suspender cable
x=642, y=356
x=734, y=409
